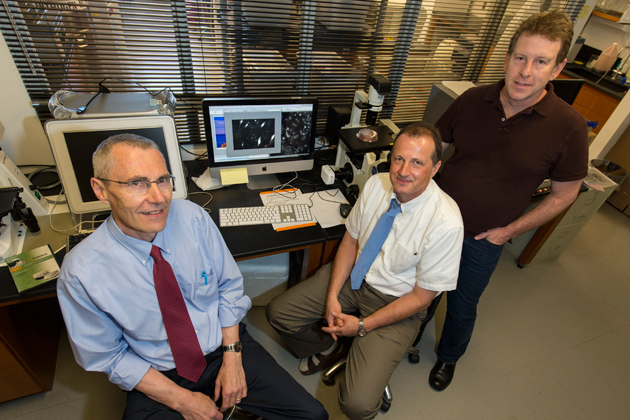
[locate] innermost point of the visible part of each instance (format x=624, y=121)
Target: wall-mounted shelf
x=606, y=16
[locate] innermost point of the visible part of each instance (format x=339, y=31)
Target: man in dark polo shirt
x=508, y=137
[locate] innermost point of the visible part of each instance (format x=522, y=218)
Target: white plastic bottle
x=606, y=59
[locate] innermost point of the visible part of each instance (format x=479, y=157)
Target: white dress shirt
x=424, y=246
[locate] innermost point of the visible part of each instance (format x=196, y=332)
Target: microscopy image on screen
x=251, y=134
x=296, y=132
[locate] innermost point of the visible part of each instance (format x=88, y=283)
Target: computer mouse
x=344, y=209
x=15, y=263
x=51, y=275
x=40, y=275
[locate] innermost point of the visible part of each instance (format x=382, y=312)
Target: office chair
x=328, y=375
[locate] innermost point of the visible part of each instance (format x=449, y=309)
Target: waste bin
x=611, y=170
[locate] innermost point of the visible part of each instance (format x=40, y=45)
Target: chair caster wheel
x=385, y=405
x=328, y=381
x=413, y=358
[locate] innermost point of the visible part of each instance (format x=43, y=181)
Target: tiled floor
x=552, y=342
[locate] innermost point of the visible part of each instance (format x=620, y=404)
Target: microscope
x=15, y=218
x=364, y=148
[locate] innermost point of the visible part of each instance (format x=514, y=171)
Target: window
x=256, y=48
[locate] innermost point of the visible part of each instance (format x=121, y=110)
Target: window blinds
x=261, y=48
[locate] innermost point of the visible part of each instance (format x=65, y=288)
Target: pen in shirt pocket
x=205, y=277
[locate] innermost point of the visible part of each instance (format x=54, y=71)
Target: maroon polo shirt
x=498, y=163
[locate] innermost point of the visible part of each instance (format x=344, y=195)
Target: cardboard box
x=620, y=154
x=620, y=200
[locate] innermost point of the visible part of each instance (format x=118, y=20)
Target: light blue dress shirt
x=108, y=299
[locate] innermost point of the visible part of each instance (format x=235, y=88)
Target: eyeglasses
x=166, y=183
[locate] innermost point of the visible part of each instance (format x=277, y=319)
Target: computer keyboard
x=259, y=215
x=74, y=239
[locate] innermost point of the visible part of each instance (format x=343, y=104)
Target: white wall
x=24, y=140
x=612, y=130
x=601, y=33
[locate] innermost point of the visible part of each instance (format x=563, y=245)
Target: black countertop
x=608, y=85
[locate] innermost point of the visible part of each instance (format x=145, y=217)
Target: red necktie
x=189, y=360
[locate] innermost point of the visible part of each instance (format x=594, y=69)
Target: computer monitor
x=74, y=141
x=266, y=136
x=567, y=89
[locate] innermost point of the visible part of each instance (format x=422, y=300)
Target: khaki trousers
x=297, y=313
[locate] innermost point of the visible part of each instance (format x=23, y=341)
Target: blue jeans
x=479, y=259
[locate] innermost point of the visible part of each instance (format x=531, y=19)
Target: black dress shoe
x=441, y=375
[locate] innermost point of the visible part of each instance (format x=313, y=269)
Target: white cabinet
x=538, y=245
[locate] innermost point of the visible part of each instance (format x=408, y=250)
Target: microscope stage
x=355, y=145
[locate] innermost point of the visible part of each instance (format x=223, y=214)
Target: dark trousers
x=271, y=392
x=479, y=259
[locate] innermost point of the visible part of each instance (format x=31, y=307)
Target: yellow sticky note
x=585, y=12
x=234, y=176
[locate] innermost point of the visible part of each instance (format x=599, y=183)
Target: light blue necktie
x=374, y=244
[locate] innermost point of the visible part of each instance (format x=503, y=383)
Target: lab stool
x=328, y=376
x=265, y=277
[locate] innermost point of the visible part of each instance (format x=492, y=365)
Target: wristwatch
x=235, y=347
x=361, y=332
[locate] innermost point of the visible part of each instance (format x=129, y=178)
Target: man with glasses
x=154, y=299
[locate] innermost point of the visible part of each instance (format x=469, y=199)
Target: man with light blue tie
x=401, y=249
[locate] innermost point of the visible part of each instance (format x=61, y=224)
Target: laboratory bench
x=310, y=247
x=30, y=323
x=596, y=100
x=608, y=84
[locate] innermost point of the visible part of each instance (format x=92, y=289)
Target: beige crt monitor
x=74, y=141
